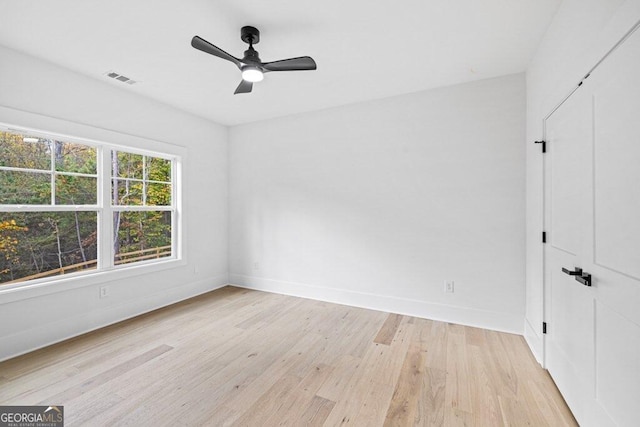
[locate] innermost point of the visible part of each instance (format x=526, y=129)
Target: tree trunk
x=143, y=238
x=55, y=224
x=35, y=261
x=75, y=215
x=116, y=215
x=84, y=258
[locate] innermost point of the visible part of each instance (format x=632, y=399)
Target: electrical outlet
x=104, y=291
x=196, y=270
x=256, y=266
x=448, y=286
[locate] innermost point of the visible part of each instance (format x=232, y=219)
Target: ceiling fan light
x=252, y=74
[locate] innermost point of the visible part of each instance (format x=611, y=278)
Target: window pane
x=158, y=194
x=42, y=244
x=158, y=169
x=126, y=165
x=25, y=188
x=71, y=157
x=22, y=151
x=126, y=193
x=76, y=190
x=141, y=236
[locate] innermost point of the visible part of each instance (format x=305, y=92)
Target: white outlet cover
x=449, y=286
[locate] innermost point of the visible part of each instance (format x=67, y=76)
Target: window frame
x=105, y=270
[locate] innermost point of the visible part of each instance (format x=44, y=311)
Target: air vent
x=120, y=77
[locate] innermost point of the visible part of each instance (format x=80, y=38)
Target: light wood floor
x=240, y=357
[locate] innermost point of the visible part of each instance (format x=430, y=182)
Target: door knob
x=576, y=272
x=584, y=278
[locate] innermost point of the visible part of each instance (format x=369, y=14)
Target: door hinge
x=544, y=145
x=544, y=327
x=544, y=237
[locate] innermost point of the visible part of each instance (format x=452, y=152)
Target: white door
x=592, y=217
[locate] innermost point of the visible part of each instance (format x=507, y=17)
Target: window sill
x=23, y=291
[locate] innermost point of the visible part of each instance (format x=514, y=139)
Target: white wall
x=580, y=35
x=377, y=204
x=40, y=95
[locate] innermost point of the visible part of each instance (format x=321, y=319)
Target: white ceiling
x=365, y=49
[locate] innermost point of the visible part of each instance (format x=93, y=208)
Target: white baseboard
x=50, y=333
x=534, y=341
x=497, y=321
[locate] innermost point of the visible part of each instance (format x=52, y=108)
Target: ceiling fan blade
x=243, y=87
x=203, y=45
x=291, y=64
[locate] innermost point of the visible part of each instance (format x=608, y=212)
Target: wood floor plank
x=242, y=357
x=486, y=407
x=137, y=391
x=436, y=337
x=430, y=408
x=344, y=369
x=270, y=401
x=291, y=360
x=403, y=405
x=270, y=310
x=458, y=388
x=388, y=330
x=107, y=376
x=346, y=411
x=317, y=412
x=244, y=369
x=378, y=366
x=375, y=405
x=389, y=365
x=300, y=397
x=549, y=401
x=503, y=372
x=92, y=410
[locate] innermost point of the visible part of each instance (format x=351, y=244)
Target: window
x=69, y=206
x=141, y=196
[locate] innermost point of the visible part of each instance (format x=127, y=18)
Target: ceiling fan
x=252, y=67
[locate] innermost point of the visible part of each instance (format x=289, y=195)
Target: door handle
x=576, y=272
x=584, y=278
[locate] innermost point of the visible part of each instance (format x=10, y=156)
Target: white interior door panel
x=592, y=216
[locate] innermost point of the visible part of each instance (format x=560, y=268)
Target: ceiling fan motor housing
x=251, y=57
